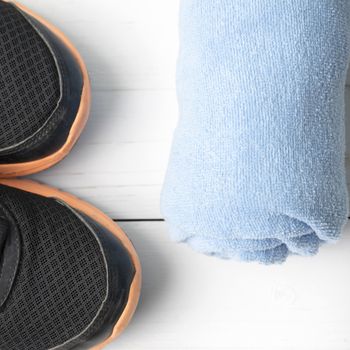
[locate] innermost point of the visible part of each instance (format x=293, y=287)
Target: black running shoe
x=44, y=92
x=69, y=276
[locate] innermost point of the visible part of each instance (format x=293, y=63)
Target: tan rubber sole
x=109, y=224
x=26, y=168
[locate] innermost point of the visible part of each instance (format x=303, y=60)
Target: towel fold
x=256, y=170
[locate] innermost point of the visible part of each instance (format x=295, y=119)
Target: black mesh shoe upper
x=40, y=88
x=72, y=283
x=29, y=80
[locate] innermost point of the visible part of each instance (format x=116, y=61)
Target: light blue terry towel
x=257, y=165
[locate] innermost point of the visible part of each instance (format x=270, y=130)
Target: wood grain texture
x=191, y=301
x=130, y=48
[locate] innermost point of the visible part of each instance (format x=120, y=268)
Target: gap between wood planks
x=138, y=220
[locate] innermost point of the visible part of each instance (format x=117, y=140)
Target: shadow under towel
x=257, y=169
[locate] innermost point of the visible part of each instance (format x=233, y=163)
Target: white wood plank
x=190, y=301
x=120, y=160
x=127, y=45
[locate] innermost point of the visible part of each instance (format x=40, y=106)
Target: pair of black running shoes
x=69, y=276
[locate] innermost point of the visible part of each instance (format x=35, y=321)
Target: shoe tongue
x=9, y=257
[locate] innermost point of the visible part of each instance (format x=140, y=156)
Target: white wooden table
x=189, y=301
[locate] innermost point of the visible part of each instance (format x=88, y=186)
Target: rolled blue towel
x=257, y=169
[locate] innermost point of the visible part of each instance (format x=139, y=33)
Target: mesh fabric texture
x=62, y=279
x=29, y=80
